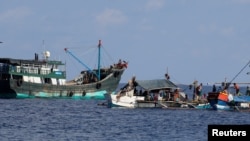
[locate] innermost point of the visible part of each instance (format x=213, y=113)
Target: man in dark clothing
x=237, y=88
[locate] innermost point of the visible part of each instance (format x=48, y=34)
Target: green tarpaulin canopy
x=156, y=84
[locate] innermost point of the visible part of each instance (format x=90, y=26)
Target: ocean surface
x=87, y=120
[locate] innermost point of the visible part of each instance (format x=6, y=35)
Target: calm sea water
x=83, y=120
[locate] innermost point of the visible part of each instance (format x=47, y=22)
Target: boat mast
x=99, y=59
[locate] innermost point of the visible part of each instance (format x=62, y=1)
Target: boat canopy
x=156, y=84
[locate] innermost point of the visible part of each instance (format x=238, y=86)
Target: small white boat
x=127, y=99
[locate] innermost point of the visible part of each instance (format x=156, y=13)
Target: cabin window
x=5, y=76
x=47, y=80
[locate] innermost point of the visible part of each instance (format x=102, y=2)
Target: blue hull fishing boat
x=226, y=101
x=45, y=78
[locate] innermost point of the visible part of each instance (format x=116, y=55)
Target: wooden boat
x=159, y=93
x=45, y=78
x=226, y=101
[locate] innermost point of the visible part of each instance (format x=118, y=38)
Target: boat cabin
x=34, y=71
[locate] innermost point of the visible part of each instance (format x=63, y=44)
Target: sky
x=203, y=40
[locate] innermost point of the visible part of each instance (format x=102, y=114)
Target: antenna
x=43, y=45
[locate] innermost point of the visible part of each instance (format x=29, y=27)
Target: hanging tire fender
x=83, y=93
x=116, y=73
x=19, y=82
x=71, y=94
x=98, y=85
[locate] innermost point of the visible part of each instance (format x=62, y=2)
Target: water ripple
x=77, y=120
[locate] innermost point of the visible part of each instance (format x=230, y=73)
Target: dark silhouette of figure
x=237, y=88
x=214, y=88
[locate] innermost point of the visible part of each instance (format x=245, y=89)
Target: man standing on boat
x=198, y=92
x=176, y=95
x=130, y=85
x=237, y=89
x=214, y=88
x=248, y=91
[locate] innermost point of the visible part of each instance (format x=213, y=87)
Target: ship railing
x=35, y=71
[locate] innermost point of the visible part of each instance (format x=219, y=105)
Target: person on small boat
x=132, y=84
x=198, y=92
x=186, y=97
x=155, y=97
x=128, y=87
x=204, y=96
x=176, y=95
x=168, y=95
x=248, y=91
x=214, y=88
x=237, y=88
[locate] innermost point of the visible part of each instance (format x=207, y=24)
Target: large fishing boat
x=45, y=78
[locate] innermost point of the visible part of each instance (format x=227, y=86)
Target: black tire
x=116, y=74
x=19, y=82
x=98, y=85
x=83, y=93
x=71, y=94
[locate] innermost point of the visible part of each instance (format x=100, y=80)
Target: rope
x=239, y=72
